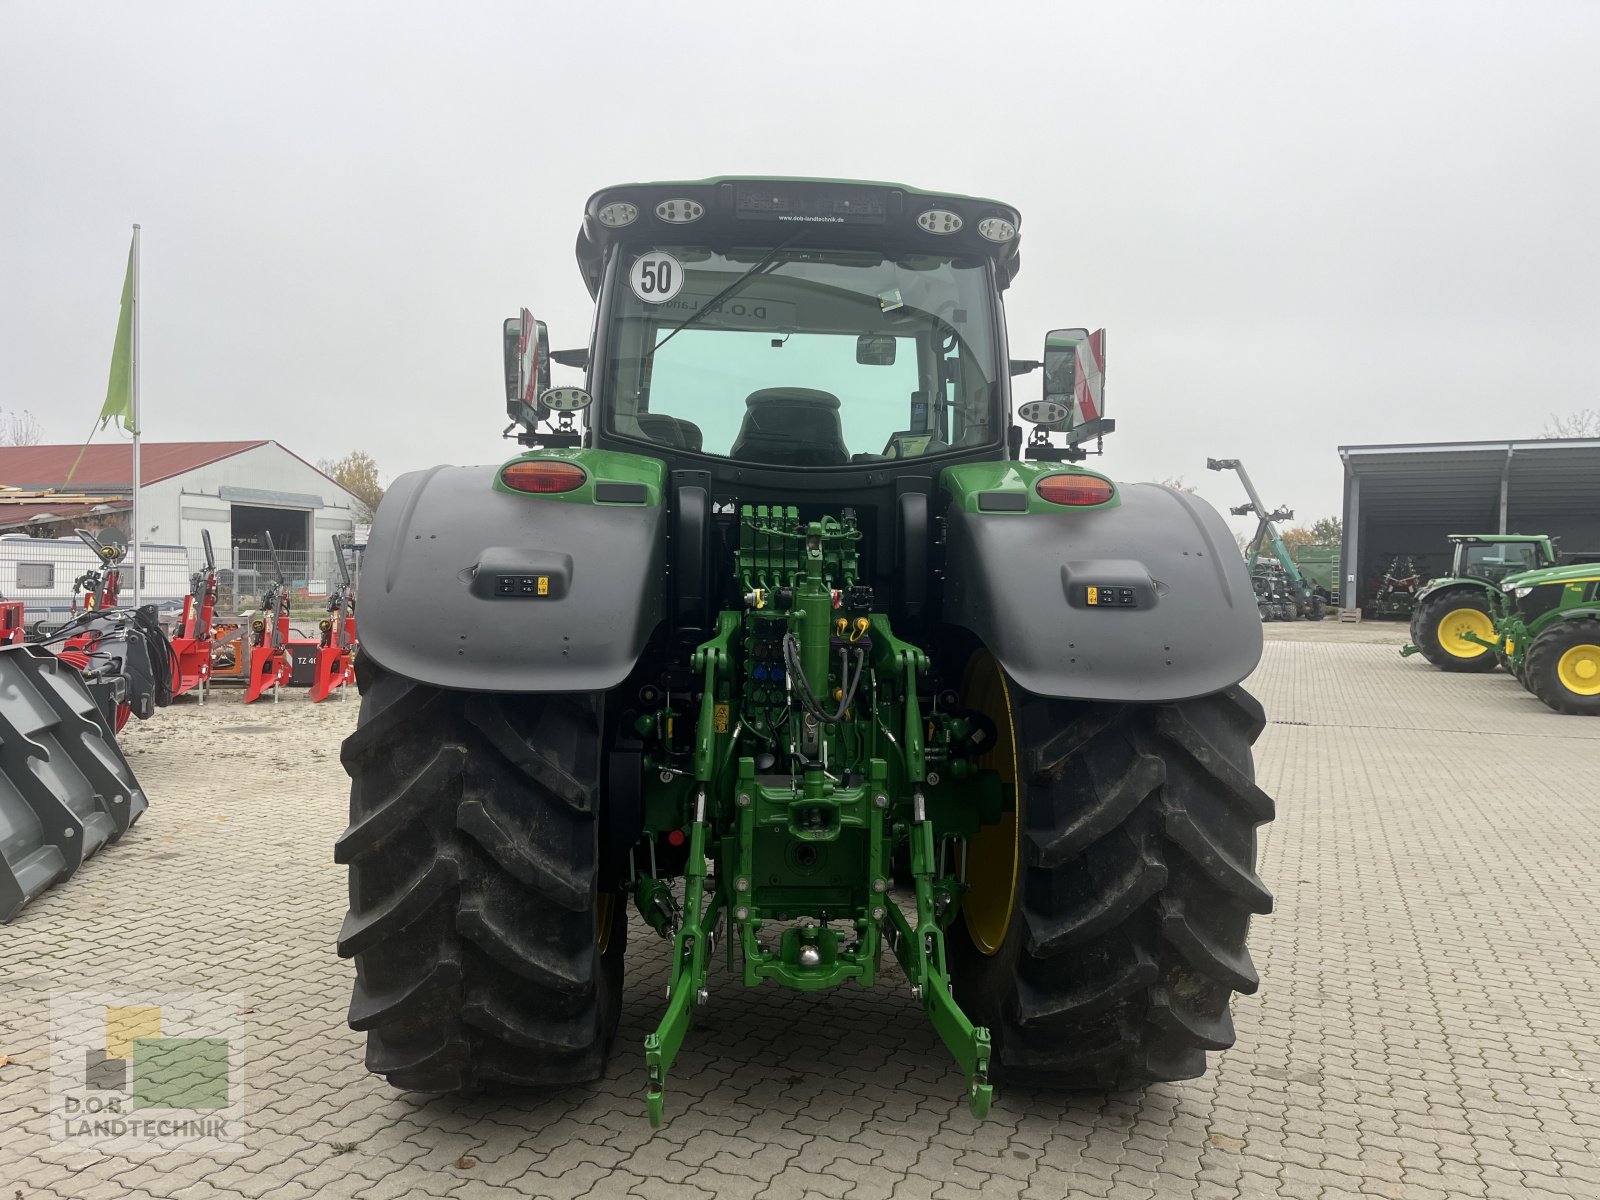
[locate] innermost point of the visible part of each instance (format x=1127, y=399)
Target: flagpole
x=134, y=360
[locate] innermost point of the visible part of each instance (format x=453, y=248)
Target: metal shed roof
x=1443, y=481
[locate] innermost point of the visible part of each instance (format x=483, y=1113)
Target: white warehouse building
x=238, y=492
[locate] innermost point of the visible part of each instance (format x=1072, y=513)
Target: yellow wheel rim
x=604, y=908
x=1579, y=670
x=1461, y=621
x=994, y=854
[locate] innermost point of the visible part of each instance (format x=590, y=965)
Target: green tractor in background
x=1453, y=622
x=1549, y=635
x=781, y=597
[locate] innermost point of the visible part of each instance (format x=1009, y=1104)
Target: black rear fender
x=587, y=581
x=1182, y=620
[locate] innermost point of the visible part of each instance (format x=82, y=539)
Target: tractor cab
x=1492, y=557
x=747, y=328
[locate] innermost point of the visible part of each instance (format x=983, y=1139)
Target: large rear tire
x=1436, y=624
x=1563, y=667
x=1134, y=883
x=484, y=951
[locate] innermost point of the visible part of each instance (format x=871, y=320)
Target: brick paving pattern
x=1427, y=1026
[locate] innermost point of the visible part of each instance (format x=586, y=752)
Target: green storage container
x=1320, y=565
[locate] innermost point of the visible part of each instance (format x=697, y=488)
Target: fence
x=244, y=574
x=44, y=573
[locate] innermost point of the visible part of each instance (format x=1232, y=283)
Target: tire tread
x=1137, y=886
x=472, y=849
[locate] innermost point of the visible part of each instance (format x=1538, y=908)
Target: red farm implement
x=191, y=646
x=123, y=654
x=12, y=612
x=100, y=587
x=336, y=651
x=269, y=637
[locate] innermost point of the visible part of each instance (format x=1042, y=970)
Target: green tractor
x=1549, y=636
x=1453, y=622
x=780, y=634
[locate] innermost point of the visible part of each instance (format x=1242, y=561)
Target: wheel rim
x=1462, y=621
x=604, y=907
x=994, y=854
x=1579, y=670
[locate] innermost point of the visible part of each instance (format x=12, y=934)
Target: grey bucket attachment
x=65, y=788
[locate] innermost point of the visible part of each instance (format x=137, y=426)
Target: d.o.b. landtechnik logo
x=162, y=1072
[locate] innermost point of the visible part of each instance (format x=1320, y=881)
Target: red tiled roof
x=111, y=464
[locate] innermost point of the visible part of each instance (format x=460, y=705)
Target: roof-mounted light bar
x=940, y=220
x=996, y=229
x=680, y=211
x=617, y=214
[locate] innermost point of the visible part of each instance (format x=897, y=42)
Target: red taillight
x=1074, y=489
x=543, y=477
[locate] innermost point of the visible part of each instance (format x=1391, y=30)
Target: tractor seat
x=791, y=427
x=671, y=431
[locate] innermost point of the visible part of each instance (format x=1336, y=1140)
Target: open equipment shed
x=1405, y=501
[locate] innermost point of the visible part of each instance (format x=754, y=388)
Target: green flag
x=119, y=391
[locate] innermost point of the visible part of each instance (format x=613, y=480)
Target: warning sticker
x=656, y=277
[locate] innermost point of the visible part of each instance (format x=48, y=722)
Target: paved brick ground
x=1427, y=1025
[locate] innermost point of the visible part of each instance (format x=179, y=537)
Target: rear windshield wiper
x=738, y=283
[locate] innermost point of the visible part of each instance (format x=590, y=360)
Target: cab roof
x=768, y=210
x=1580, y=572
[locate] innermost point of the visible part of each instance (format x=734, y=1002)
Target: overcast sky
x=1303, y=225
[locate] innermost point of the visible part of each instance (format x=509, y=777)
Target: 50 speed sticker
x=656, y=277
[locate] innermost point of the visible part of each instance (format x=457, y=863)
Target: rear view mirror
x=875, y=349
x=1073, y=405
x=1074, y=383
x=526, y=345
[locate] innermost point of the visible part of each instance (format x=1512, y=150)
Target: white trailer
x=41, y=573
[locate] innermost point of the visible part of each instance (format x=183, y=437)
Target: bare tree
x=1176, y=483
x=1583, y=423
x=20, y=428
